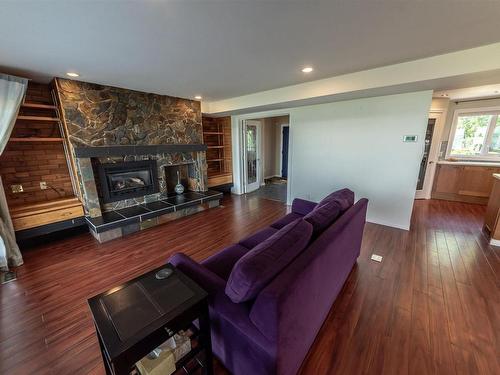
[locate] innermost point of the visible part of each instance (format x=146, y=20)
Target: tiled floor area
x=274, y=189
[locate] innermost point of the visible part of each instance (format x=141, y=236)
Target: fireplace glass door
x=125, y=180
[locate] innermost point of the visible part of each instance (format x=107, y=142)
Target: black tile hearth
x=211, y=195
x=157, y=205
x=185, y=200
x=132, y=211
x=157, y=208
x=108, y=220
x=138, y=214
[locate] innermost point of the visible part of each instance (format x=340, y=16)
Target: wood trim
x=38, y=106
x=460, y=198
x=38, y=118
x=37, y=139
x=34, y=215
x=220, y=180
x=68, y=146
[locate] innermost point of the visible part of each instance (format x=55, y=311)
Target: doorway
x=265, y=146
x=285, y=133
x=429, y=157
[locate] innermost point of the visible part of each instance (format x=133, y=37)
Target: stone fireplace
x=127, y=147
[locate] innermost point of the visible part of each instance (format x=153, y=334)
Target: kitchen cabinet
x=492, y=217
x=446, y=179
x=463, y=183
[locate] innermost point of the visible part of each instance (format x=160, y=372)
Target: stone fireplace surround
x=115, y=219
x=104, y=124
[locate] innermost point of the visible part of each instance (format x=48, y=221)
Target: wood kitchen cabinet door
x=476, y=182
x=447, y=179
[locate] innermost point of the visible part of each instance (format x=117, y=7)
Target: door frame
x=258, y=152
x=281, y=146
x=430, y=171
x=237, y=149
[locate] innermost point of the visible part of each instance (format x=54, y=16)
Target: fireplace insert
x=128, y=179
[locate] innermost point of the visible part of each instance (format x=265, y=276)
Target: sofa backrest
x=290, y=310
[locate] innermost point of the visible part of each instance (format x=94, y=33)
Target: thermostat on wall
x=410, y=138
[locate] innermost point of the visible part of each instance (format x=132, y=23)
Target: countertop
x=471, y=163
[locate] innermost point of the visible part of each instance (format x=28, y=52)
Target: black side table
x=136, y=317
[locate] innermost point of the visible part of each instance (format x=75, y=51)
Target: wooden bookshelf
x=32, y=215
x=217, y=137
x=36, y=153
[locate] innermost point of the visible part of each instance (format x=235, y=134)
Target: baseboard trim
x=386, y=224
x=494, y=242
x=268, y=177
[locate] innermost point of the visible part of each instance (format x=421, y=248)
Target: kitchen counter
x=470, y=163
x=464, y=181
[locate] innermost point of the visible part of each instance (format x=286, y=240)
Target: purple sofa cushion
x=329, y=209
x=285, y=220
x=344, y=197
x=302, y=207
x=258, y=237
x=260, y=265
x=222, y=262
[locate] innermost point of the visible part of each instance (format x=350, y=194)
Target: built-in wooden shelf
x=217, y=137
x=37, y=118
x=37, y=139
x=32, y=215
x=38, y=106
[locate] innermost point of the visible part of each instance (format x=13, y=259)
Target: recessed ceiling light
x=444, y=95
x=307, y=69
x=198, y=97
x=496, y=92
x=73, y=74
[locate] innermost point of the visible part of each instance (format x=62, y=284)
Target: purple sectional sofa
x=271, y=292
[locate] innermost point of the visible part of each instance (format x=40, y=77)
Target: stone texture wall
x=98, y=115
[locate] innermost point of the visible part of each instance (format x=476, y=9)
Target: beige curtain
x=12, y=91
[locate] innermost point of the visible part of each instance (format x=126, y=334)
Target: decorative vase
x=179, y=188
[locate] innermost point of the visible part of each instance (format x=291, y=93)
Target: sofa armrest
x=302, y=207
x=208, y=280
x=234, y=313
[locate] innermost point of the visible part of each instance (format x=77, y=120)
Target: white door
x=251, y=152
x=430, y=156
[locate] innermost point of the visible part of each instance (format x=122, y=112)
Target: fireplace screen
x=125, y=180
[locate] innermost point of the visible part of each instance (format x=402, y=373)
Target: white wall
x=359, y=144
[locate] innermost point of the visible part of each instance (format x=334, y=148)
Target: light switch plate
x=410, y=138
x=377, y=258
x=43, y=185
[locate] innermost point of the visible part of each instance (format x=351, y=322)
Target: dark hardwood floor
x=431, y=307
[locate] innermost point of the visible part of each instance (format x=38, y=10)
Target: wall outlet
x=17, y=188
x=43, y=185
x=376, y=258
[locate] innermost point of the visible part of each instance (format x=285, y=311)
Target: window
x=475, y=134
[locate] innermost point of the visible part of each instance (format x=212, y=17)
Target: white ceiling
x=223, y=48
